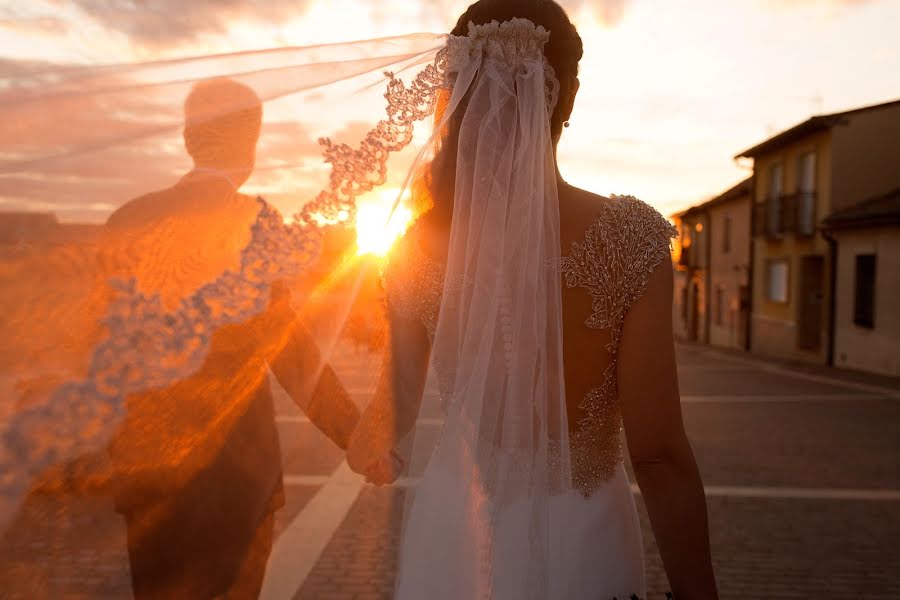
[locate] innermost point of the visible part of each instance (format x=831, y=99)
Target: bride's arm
x=393, y=411
x=661, y=455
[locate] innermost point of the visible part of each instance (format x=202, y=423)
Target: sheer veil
x=93, y=313
x=479, y=525
x=92, y=321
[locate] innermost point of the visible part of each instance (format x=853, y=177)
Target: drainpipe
x=751, y=267
x=708, y=300
x=832, y=294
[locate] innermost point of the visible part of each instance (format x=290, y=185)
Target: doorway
x=811, y=303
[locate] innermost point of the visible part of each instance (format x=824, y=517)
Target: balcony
x=684, y=257
x=793, y=214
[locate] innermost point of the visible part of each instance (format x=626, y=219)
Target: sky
x=671, y=91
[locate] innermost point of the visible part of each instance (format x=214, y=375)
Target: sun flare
x=376, y=228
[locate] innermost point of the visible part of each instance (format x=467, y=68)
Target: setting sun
x=376, y=227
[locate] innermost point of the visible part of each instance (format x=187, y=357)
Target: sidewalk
x=875, y=380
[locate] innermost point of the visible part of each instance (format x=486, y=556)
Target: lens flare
x=376, y=227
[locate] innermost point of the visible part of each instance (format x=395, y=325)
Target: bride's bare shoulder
x=580, y=210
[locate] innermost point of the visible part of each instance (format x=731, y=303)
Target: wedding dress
x=620, y=249
x=525, y=495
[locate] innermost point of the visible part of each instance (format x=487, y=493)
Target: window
x=720, y=305
x=726, y=235
x=807, y=174
x=864, y=301
x=806, y=199
x=777, y=277
x=774, y=200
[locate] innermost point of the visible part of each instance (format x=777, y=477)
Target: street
x=801, y=468
x=803, y=486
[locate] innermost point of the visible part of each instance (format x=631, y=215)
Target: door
x=811, y=303
x=695, y=313
x=743, y=316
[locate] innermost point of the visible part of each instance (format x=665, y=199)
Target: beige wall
x=729, y=270
x=866, y=154
x=774, y=324
x=878, y=349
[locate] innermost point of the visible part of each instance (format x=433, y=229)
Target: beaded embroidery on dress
x=613, y=263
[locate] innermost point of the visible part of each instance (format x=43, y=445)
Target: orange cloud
x=155, y=23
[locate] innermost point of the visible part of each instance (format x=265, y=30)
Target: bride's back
x=609, y=248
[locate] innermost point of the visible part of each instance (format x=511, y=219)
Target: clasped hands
x=379, y=468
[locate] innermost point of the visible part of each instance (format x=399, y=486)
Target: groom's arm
x=294, y=357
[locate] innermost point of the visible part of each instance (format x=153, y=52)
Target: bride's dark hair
x=563, y=51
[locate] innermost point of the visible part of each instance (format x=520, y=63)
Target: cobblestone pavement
x=802, y=469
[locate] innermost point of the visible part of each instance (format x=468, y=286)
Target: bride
x=541, y=311
x=545, y=313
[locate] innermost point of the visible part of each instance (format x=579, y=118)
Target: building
x=826, y=164
x=867, y=290
x=20, y=231
x=18, y=228
x=712, y=300
x=729, y=267
x=691, y=270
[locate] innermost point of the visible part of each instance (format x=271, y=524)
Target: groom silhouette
x=198, y=463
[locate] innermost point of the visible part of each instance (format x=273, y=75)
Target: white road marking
x=298, y=548
x=727, y=399
x=767, y=493
x=315, y=480
x=303, y=420
x=792, y=493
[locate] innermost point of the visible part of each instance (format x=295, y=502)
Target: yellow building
x=825, y=164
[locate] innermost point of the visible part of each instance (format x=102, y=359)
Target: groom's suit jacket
x=198, y=463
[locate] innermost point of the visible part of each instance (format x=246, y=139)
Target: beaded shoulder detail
x=621, y=248
x=613, y=263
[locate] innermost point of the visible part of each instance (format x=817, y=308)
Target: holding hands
x=383, y=469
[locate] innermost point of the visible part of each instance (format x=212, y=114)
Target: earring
x=566, y=124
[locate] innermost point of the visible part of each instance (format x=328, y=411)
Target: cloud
x=607, y=12
x=826, y=3
x=169, y=22
x=34, y=25
x=166, y=23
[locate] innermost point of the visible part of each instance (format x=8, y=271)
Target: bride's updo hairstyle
x=563, y=51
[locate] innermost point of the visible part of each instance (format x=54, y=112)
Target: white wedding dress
x=596, y=521
x=525, y=494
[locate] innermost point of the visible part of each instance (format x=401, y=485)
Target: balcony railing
x=793, y=214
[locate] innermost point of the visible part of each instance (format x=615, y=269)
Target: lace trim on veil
x=147, y=347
